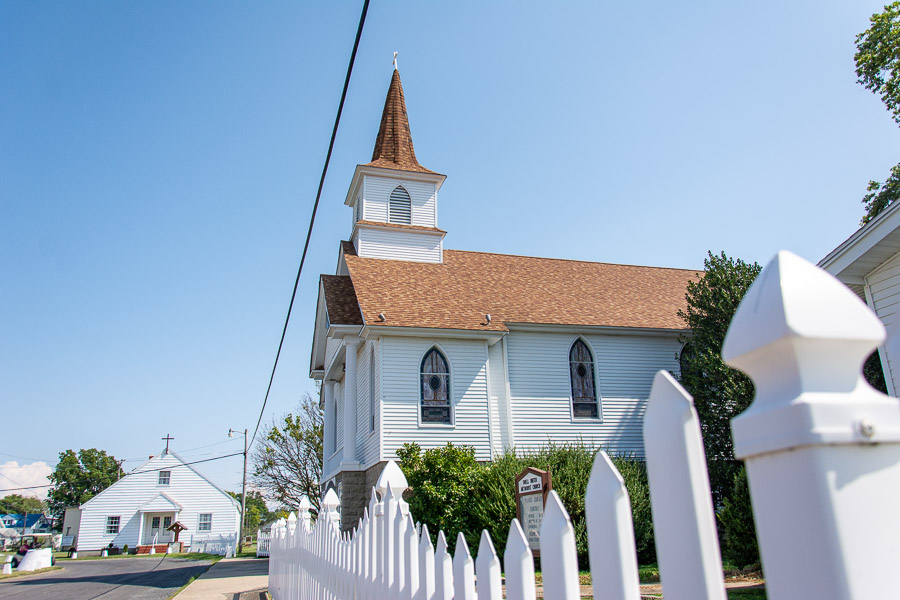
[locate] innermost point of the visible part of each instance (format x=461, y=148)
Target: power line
x=167, y=468
x=312, y=220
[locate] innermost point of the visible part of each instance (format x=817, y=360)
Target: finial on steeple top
x=395, y=61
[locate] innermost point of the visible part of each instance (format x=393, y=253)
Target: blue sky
x=159, y=161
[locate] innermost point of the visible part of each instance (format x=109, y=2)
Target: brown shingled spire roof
x=393, y=146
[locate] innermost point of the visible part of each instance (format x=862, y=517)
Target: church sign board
x=532, y=488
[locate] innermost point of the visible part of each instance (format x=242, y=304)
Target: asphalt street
x=148, y=578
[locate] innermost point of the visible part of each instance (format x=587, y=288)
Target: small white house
x=138, y=509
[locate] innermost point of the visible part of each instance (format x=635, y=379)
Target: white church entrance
x=156, y=528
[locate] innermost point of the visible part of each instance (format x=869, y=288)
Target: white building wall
x=331, y=463
x=541, y=392
x=195, y=494
x=377, y=193
x=884, y=287
x=400, y=387
x=398, y=244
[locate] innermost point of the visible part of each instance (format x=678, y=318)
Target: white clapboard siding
x=468, y=390
x=377, y=192
x=541, y=391
x=884, y=287
x=399, y=244
x=370, y=448
x=186, y=487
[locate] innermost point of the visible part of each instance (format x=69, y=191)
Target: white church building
x=138, y=509
x=417, y=343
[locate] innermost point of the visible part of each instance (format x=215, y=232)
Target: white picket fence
x=222, y=545
x=262, y=543
x=822, y=451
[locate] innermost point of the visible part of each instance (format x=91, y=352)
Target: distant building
x=33, y=523
x=415, y=343
x=138, y=509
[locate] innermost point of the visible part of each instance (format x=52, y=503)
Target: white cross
x=395, y=61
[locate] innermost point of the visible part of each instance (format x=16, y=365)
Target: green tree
x=720, y=392
x=17, y=505
x=287, y=462
x=878, y=69
x=79, y=477
x=257, y=512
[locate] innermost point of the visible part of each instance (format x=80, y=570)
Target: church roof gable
x=340, y=300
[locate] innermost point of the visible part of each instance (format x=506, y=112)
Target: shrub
x=739, y=544
x=440, y=480
x=488, y=499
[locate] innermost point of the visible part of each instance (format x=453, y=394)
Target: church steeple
x=393, y=145
x=394, y=198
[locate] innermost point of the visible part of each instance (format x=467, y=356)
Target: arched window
x=400, y=207
x=581, y=373
x=435, y=388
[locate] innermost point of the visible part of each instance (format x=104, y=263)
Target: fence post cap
x=391, y=474
x=331, y=500
x=802, y=336
x=304, y=504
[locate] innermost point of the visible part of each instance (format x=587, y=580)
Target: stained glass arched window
x=400, y=206
x=581, y=374
x=435, y=388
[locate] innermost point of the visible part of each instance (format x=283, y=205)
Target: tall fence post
x=684, y=524
x=821, y=447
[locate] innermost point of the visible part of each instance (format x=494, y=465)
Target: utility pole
x=240, y=547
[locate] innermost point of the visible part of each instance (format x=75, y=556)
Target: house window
x=154, y=524
x=164, y=477
x=167, y=522
x=435, y=388
x=581, y=373
x=400, y=206
x=112, y=525
x=372, y=388
x=205, y=523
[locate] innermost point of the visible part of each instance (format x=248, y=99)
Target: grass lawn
x=23, y=573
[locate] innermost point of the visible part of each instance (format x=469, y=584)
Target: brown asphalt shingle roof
x=515, y=289
x=340, y=300
x=393, y=145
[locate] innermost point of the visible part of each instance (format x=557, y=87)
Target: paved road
x=116, y=579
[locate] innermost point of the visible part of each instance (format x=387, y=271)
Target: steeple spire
x=394, y=146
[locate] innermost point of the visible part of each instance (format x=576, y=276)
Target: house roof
x=867, y=249
x=340, y=300
x=457, y=293
x=32, y=519
x=393, y=145
x=160, y=503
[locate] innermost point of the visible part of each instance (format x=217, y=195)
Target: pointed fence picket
x=823, y=458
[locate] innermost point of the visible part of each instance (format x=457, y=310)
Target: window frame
x=113, y=524
x=201, y=522
x=168, y=477
x=595, y=376
x=451, y=422
x=391, y=201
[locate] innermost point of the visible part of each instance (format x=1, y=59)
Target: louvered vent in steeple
x=400, y=206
